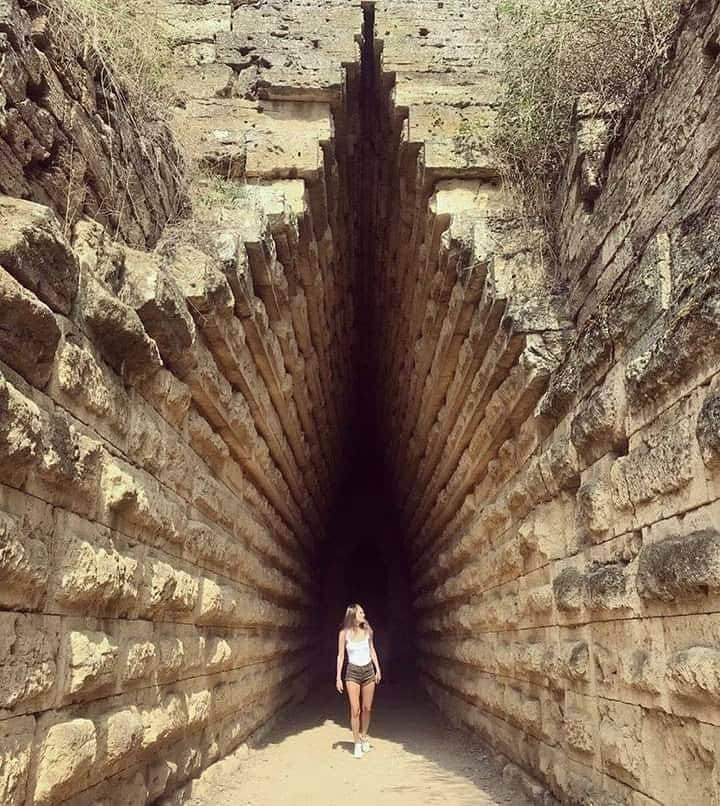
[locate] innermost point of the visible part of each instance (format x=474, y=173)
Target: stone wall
x=66, y=138
x=169, y=422
x=173, y=423
x=564, y=504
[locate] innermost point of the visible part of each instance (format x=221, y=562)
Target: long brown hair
x=350, y=621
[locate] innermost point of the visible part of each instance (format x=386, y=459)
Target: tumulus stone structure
x=179, y=397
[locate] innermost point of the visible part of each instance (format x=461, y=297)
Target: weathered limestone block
x=168, y=590
x=23, y=561
x=164, y=721
x=661, y=465
x=689, y=339
x=93, y=568
x=68, y=752
x=594, y=514
x=708, y=428
x=20, y=434
x=118, y=331
x=680, y=758
x=569, y=590
x=679, y=568
x=580, y=728
x=29, y=335
x=574, y=660
x=89, y=663
x=606, y=587
x=543, y=534
x=695, y=672
x=68, y=472
x=147, y=288
x=119, y=735
x=139, y=661
x=598, y=425
x=620, y=736
x=168, y=395
x=16, y=741
x=137, y=499
x=90, y=385
x=196, y=22
x=28, y=661
x=559, y=466
x=34, y=251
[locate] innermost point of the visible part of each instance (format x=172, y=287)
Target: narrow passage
x=305, y=760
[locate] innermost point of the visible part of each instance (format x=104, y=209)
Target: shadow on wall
x=364, y=561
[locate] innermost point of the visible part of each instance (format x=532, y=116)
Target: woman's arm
x=375, y=659
x=340, y=658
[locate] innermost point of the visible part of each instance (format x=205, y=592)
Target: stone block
x=598, y=425
x=94, y=570
x=149, y=290
x=23, y=565
x=679, y=568
x=140, y=661
x=29, y=336
x=707, y=430
x=620, y=740
x=120, y=734
x=67, y=754
x=659, y=467
x=695, y=672
x=574, y=660
x=118, y=332
x=606, y=587
x=167, y=589
x=21, y=428
x=34, y=251
x=16, y=742
x=89, y=663
x=164, y=721
x=135, y=498
x=579, y=731
x=90, y=385
x=28, y=662
x=569, y=590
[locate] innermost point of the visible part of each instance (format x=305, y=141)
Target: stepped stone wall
x=173, y=422
x=562, y=485
x=65, y=141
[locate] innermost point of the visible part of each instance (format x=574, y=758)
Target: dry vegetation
x=557, y=51
x=127, y=41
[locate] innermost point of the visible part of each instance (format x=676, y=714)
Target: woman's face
x=359, y=615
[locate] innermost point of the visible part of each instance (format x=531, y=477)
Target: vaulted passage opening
x=365, y=555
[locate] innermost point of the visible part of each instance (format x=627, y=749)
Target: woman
x=362, y=673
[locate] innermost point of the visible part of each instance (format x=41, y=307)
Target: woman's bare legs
x=368, y=694
x=353, y=692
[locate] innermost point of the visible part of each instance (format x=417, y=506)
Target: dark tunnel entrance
x=364, y=557
x=364, y=560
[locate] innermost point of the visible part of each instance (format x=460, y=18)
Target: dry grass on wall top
x=556, y=51
x=127, y=41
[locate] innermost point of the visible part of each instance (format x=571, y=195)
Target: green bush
x=556, y=51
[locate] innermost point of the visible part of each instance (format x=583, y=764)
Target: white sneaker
x=358, y=750
x=366, y=746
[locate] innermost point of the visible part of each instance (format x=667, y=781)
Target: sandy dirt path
x=306, y=760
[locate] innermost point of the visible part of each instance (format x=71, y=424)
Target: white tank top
x=358, y=652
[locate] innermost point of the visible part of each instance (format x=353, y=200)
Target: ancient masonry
x=176, y=397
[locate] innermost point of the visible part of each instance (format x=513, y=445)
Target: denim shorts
x=360, y=674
